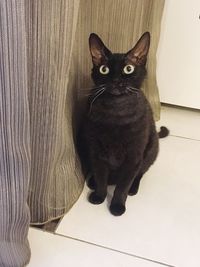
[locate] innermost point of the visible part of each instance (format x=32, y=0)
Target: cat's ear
x=138, y=55
x=98, y=50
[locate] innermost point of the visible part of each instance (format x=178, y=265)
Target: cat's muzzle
x=117, y=89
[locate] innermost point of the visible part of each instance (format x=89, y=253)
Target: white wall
x=178, y=56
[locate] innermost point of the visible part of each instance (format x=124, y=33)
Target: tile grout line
x=114, y=250
x=183, y=137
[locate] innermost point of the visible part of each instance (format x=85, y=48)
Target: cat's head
x=117, y=71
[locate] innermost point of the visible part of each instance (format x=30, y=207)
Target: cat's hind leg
x=135, y=185
x=150, y=155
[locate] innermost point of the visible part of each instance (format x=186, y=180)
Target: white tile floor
x=49, y=250
x=161, y=226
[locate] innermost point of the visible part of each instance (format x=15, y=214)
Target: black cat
x=118, y=141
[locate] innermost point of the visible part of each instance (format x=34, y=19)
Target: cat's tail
x=163, y=132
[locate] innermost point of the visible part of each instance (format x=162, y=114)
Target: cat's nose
x=117, y=81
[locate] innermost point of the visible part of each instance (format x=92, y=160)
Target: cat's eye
x=104, y=70
x=128, y=69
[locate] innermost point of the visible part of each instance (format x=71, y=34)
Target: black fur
x=163, y=132
x=118, y=141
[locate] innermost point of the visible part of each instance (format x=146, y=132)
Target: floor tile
x=162, y=222
x=181, y=122
x=49, y=250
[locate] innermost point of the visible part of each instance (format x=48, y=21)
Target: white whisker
x=90, y=91
x=132, y=88
x=96, y=96
x=99, y=91
x=132, y=91
x=91, y=88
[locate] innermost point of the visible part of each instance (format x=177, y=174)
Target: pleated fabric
x=120, y=24
x=14, y=136
x=55, y=179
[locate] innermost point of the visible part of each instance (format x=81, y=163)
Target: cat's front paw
x=95, y=199
x=117, y=209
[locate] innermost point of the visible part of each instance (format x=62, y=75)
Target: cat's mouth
x=119, y=89
x=116, y=89
x=116, y=92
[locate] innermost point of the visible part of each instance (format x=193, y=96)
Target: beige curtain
x=120, y=23
x=55, y=180
x=14, y=137
x=44, y=64
x=38, y=162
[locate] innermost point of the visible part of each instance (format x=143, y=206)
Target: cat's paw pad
x=117, y=209
x=95, y=199
x=91, y=183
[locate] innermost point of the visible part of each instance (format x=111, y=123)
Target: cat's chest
x=117, y=104
x=113, y=146
x=111, y=151
x=115, y=110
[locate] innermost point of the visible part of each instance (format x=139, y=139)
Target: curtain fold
x=55, y=180
x=120, y=24
x=14, y=137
